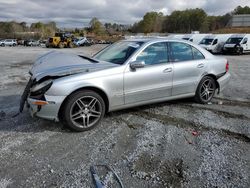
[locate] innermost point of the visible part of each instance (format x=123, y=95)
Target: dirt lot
x=150, y=146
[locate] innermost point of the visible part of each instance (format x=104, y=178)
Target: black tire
x=205, y=90
x=61, y=45
x=78, y=117
x=2, y=45
x=224, y=52
x=71, y=45
x=238, y=49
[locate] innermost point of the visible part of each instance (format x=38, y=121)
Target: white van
x=195, y=38
x=175, y=36
x=238, y=43
x=214, y=43
x=187, y=36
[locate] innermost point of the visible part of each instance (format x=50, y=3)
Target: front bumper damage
x=46, y=109
x=43, y=106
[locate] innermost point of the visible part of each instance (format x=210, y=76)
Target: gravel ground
x=173, y=144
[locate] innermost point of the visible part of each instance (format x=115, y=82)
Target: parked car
x=79, y=90
x=238, y=43
x=101, y=42
x=83, y=41
x=31, y=42
x=20, y=42
x=43, y=43
x=8, y=42
x=175, y=36
x=215, y=43
x=195, y=38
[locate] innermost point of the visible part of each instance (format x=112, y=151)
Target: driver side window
x=154, y=54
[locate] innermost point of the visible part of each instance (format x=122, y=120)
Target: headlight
x=41, y=88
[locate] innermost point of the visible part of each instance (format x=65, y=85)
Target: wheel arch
x=215, y=79
x=91, y=88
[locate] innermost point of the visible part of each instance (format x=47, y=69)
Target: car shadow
x=12, y=121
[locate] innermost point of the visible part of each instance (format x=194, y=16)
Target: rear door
x=154, y=80
x=189, y=66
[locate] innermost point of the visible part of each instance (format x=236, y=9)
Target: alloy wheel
x=86, y=111
x=207, y=90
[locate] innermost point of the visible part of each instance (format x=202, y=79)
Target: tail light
x=227, y=67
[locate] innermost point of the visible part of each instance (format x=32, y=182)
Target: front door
x=154, y=80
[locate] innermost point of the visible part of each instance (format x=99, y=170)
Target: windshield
x=207, y=41
x=234, y=40
x=119, y=52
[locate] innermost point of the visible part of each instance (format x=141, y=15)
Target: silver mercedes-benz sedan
x=79, y=90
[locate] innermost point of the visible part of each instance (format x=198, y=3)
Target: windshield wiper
x=88, y=58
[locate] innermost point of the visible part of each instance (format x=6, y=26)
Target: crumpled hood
x=63, y=64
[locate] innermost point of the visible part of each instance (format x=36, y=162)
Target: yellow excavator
x=60, y=40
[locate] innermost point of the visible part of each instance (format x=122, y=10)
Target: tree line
x=22, y=30
x=185, y=21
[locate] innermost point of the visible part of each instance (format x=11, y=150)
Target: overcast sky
x=77, y=13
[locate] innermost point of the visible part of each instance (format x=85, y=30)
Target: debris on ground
x=2, y=115
x=110, y=177
x=220, y=102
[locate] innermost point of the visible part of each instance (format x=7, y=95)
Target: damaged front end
x=38, y=103
x=35, y=90
x=44, y=74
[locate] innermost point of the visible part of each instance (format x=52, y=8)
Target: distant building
x=241, y=20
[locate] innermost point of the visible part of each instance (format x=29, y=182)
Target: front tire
x=205, y=90
x=61, y=45
x=83, y=110
x=238, y=50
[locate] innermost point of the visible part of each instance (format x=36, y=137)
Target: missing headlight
x=41, y=88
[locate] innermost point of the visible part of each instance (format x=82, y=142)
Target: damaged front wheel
x=83, y=110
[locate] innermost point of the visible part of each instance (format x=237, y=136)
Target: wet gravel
x=172, y=144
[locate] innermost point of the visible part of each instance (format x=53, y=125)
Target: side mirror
x=244, y=42
x=137, y=64
x=215, y=41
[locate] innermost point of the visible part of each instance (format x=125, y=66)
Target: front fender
x=111, y=85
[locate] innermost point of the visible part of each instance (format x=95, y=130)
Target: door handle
x=200, y=65
x=168, y=70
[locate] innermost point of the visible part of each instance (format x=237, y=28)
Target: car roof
x=157, y=39
x=148, y=40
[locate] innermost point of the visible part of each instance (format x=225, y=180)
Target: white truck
x=214, y=43
x=195, y=38
x=175, y=36
x=237, y=44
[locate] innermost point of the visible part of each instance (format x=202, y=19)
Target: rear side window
x=181, y=52
x=197, y=54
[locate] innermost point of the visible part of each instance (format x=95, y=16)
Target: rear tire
x=205, y=90
x=83, y=110
x=71, y=45
x=61, y=45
